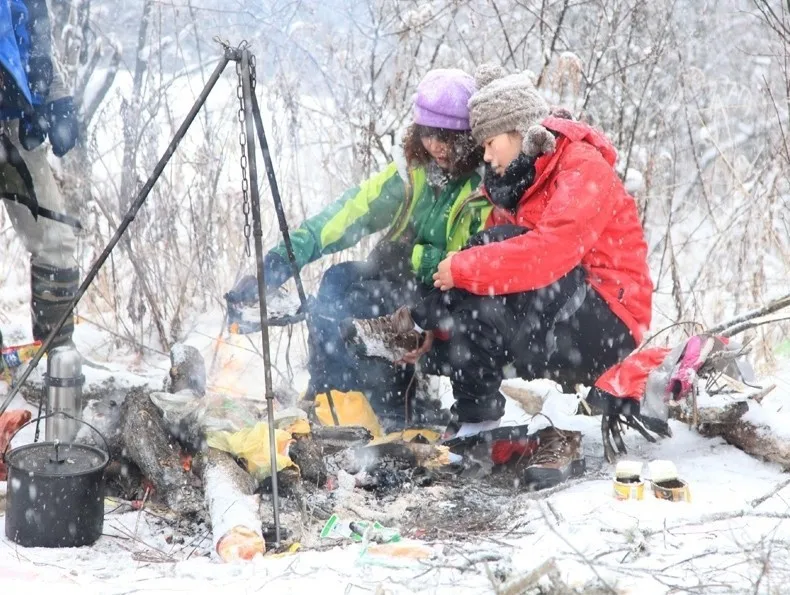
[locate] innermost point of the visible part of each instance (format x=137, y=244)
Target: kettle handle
x=39, y=418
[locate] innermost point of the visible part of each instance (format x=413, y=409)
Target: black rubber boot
x=52, y=289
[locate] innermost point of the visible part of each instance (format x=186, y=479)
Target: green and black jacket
x=434, y=220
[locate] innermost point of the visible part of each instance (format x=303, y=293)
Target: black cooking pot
x=55, y=492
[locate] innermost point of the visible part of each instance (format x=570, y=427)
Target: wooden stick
x=529, y=580
x=745, y=326
x=140, y=513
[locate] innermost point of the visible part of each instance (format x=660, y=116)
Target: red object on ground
x=10, y=422
x=504, y=450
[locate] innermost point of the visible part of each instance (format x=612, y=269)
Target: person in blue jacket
x=34, y=106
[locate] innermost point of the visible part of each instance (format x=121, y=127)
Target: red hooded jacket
x=578, y=212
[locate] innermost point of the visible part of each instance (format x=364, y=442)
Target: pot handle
x=63, y=413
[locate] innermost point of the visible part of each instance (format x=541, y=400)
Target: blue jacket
x=25, y=56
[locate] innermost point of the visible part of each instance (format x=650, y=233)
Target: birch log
x=233, y=508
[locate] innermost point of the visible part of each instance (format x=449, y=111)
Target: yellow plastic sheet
x=252, y=445
x=429, y=434
x=301, y=427
x=352, y=409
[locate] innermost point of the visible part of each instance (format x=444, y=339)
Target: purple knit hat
x=441, y=99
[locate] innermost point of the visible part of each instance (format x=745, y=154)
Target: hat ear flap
x=537, y=141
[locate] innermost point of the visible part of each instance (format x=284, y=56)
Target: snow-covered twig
x=782, y=485
x=606, y=585
x=772, y=306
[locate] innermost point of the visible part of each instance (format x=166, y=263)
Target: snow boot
x=389, y=337
x=558, y=457
x=52, y=290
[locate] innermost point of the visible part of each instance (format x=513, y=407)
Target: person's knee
x=336, y=277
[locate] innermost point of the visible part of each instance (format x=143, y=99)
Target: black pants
x=360, y=290
x=565, y=332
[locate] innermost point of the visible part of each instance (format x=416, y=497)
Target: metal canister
x=633, y=490
x=64, y=382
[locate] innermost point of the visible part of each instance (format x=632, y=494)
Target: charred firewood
x=308, y=455
x=336, y=438
x=187, y=370
x=148, y=444
x=124, y=480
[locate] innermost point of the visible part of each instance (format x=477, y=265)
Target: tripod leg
x=257, y=233
x=278, y=204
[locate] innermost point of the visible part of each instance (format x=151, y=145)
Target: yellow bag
x=352, y=409
x=252, y=445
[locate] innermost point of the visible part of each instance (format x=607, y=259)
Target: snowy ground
x=730, y=538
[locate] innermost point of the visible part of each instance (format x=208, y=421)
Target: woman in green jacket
x=431, y=207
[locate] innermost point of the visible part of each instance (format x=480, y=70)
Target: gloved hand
x=391, y=256
x=276, y=270
x=245, y=291
x=33, y=129
x=57, y=119
x=619, y=412
x=63, y=125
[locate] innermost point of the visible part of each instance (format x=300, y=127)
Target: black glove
x=245, y=291
x=390, y=256
x=57, y=119
x=617, y=412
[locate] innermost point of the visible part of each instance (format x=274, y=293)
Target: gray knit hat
x=509, y=103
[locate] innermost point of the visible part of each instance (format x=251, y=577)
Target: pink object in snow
x=694, y=355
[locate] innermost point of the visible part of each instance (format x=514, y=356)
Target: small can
x=675, y=491
x=633, y=490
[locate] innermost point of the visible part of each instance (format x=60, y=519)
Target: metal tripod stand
x=250, y=115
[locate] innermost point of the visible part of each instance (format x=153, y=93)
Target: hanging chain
x=245, y=196
x=245, y=185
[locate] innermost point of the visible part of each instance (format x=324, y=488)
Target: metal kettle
x=64, y=382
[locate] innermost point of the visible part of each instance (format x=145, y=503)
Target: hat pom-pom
x=538, y=141
x=488, y=72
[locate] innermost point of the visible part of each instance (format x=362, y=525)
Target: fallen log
x=233, y=508
x=758, y=441
x=717, y=415
x=726, y=421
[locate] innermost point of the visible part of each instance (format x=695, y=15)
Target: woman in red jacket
x=565, y=291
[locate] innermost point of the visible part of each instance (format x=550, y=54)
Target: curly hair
x=465, y=154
